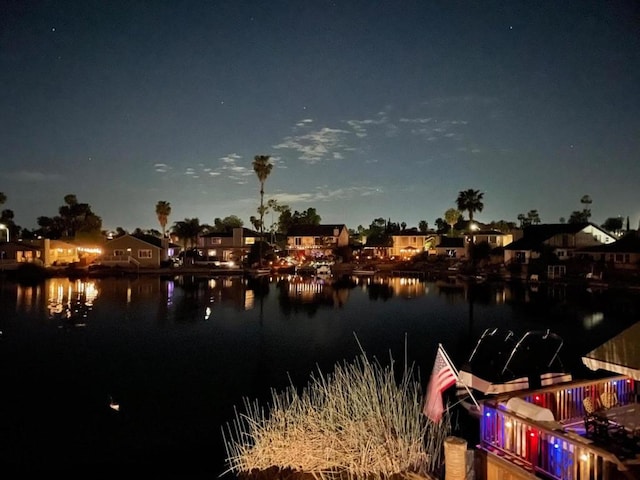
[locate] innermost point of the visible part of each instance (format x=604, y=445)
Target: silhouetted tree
x=262, y=166
x=163, y=210
x=471, y=201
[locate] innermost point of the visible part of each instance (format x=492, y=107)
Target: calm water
x=178, y=354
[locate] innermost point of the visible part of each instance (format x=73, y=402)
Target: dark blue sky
x=368, y=108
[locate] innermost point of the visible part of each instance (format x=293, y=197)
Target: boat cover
x=529, y=410
x=621, y=354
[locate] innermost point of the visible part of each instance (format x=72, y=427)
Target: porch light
x=4, y=227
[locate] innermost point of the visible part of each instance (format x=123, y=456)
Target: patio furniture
x=590, y=405
x=608, y=399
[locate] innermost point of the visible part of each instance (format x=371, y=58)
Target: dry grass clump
x=357, y=423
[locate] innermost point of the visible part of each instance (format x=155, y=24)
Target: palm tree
x=451, y=216
x=188, y=231
x=262, y=166
x=3, y=198
x=471, y=201
x=163, y=210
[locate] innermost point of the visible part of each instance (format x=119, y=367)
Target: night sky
x=369, y=109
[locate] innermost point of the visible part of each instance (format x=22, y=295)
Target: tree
x=613, y=225
x=503, y=225
x=3, y=198
x=73, y=218
x=188, y=231
x=227, y=224
x=423, y=226
x=584, y=215
x=578, y=216
x=163, y=210
x=471, y=201
x=451, y=216
x=533, y=217
x=307, y=217
x=262, y=167
x=441, y=225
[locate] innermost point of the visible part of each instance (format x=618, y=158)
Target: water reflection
x=69, y=302
x=189, y=299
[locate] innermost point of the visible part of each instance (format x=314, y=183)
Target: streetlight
x=4, y=227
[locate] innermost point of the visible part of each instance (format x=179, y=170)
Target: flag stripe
x=443, y=376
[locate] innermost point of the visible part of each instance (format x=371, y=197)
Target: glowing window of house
x=145, y=254
x=249, y=240
x=216, y=241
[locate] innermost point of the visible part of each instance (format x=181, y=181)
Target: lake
x=179, y=354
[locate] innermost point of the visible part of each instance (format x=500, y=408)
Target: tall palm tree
x=262, y=166
x=471, y=201
x=163, y=210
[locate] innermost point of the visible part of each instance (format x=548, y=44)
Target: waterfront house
x=408, y=243
x=493, y=238
x=621, y=255
x=562, y=238
x=228, y=246
x=16, y=252
x=144, y=251
x=312, y=241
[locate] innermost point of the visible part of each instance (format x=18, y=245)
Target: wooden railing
x=548, y=448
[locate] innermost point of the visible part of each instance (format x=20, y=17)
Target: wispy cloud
x=325, y=194
x=317, y=145
x=31, y=176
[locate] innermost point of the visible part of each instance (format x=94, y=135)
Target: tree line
x=77, y=220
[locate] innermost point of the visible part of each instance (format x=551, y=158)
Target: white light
x=4, y=227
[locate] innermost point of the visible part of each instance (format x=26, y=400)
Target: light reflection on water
x=180, y=353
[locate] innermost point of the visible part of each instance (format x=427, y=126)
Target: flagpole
x=457, y=372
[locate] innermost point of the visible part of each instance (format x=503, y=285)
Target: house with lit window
x=13, y=253
x=408, y=243
x=227, y=246
x=316, y=240
x=622, y=255
x=44, y=252
x=563, y=239
x=494, y=238
x=144, y=251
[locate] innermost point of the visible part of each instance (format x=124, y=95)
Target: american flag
x=443, y=376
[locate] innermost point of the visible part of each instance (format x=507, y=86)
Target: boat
x=364, y=271
x=258, y=272
x=548, y=429
x=501, y=362
x=323, y=270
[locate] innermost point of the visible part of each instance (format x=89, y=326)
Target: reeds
x=358, y=422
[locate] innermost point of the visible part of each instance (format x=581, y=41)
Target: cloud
x=161, y=167
x=325, y=194
x=317, y=145
x=26, y=176
x=433, y=129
